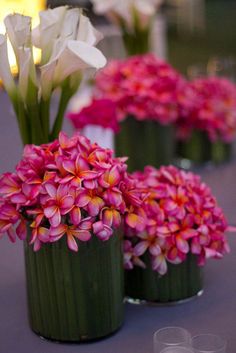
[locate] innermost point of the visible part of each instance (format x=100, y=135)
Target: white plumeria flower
x=18, y=28
x=5, y=70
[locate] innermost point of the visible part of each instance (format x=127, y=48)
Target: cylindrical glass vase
x=145, y=143
x=181, y=283
x=198, y=149
x=75, y=297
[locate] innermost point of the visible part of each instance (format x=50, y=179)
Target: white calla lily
x=5, y=70
x=27, y=74
x=79, y=54
x=134, y=18
x=66, y=38
x=70, y=24
x=123, y=8
x=76, y=26
x=103, y=6
x=87, y=33
x=44, y=35
x=145, y=8
x=18, y=28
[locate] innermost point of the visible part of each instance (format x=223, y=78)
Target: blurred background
x=196, y=36
x=197, y=33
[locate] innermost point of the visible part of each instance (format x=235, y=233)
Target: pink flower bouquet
x=67, y=188
x=184, y=228
x=71, y=194
x=88, y=115
x=209, y=107
x=143, y=87
x=146, y=91
x=96, y=120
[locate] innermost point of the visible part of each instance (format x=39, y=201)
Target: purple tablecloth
x=214, y=312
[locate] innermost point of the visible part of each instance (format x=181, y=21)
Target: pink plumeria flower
x=130, y=259
x=107, y=117
x=148, y=242
x=142, y=86
x=59, y=203
x=111, y=217
x=10, y=187
x=39, y=235
x=102, y=231
x=70, y=188
x=78, y=171
x=181, y=217
x=90, y=201
x=80, y=232
x=209, y=105
x=159, y=264
x=136, y=221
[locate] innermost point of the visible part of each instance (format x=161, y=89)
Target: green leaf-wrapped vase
x=145, y=143
x=181, y=283
x=198, y=149
x=75, y=297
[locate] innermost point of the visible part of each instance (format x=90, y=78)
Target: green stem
x=136, y=41
x=19, y=110
x=32, y=106
x=66, y=94
x=37, y=135
x=45, y=117
x=23, y=122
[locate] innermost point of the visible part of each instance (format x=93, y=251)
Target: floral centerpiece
x=208, y=126
x=146, y=91
x=68, y=199
x=100, y=127
x=67, y=41
x=134, y=18
x=185, y=227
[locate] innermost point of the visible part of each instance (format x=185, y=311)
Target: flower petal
x=81, y=56
x=182, y=244
x=140, y=248
x=71, y=242
x=50, y=211
x=58, y=231
x=83, y=235
x=21, y=230
x=75, y=215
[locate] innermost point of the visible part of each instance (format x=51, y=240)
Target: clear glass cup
x=222, y=66
x=169, y=337
x=208, y=343
x=177, y=349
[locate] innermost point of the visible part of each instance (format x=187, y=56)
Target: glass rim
x=221, y=340
x=187, y=349
x=166, y=329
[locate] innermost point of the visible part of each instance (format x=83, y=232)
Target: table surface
x=214, y=312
